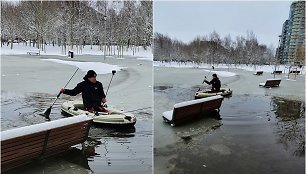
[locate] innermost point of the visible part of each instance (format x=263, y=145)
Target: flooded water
x=256, y=134
x=28, y=88
x=107, y=150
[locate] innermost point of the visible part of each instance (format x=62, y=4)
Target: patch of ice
x=253, y=68
x=98, y=67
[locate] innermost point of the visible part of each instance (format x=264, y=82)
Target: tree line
x=72, y=24
x=213, y=49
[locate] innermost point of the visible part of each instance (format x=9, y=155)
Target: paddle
x=47, y=112
x=212, y=67
x=207, y=75
x=113, y=72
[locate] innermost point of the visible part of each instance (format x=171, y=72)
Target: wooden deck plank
x=22, y=152
x=23, y=139
x=22, y=146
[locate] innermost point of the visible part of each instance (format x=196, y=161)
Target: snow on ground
x=222, y=73
x=21, y=48
x=98, y=67
x=265, y=68
x=207, y=67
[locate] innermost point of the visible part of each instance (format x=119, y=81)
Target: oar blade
x=47, y=113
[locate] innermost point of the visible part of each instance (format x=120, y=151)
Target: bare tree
x=77, y=23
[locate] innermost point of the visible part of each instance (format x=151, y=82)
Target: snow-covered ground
x=100, y=68
x=21, y=48
x=208, y=67
x=139, y=53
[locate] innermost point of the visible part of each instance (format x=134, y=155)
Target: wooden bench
x=271, y=83
x=25, y=144
x=34, y=51
x=295, y=72
x=277, y=72
x=189, y=109
x=258, y=73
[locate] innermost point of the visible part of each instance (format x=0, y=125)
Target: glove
x=104, y=100
x=62, y=90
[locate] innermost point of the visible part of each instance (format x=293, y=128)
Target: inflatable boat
x=207, y=93
x=112, y=118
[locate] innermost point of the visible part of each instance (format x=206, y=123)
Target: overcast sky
x=184, y=20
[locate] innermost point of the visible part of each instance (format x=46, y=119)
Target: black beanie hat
x=90, y=73
x=215, y=75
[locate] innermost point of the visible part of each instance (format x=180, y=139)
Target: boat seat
x=25, y=144
x=271, y=83
x=193, y=108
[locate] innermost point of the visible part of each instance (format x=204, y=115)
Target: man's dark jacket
x=216, y=84
x=92, y=93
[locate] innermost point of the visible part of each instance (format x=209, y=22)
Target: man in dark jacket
x=215, y=83
x=92, y=92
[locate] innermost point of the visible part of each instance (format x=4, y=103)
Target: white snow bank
x=21, y=48
x=207, y=67
x=221, y=73
x=98, y=67
x=254, y=68
x=27, y=130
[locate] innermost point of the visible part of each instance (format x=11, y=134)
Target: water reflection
x=79, y=156
x=23, y=110
x=290, y=124
x=100, y=131
x=107, y=148
x=244, y=140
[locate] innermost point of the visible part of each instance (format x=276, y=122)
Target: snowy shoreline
x=22, y=49
x=253, y=68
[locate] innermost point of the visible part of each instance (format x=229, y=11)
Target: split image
x=152, y=87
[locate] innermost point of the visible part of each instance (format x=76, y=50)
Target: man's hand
x=104, y=100
x=62, y=90
x=204, y=80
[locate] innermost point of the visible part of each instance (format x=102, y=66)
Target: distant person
x=215, y=83
x=92, y=92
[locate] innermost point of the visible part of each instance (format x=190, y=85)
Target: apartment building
x=291, y=48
